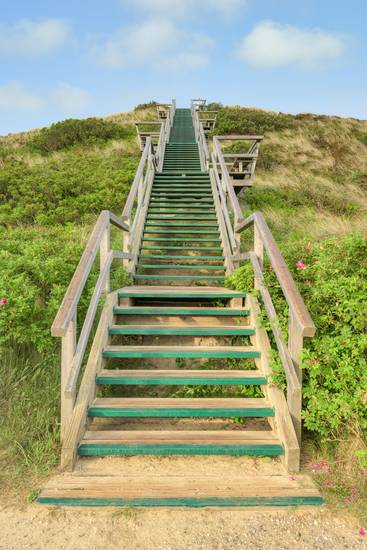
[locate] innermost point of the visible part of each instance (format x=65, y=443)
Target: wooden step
x=181, y=248
x=238, y=443
x=180, y=377
x=180, y=266
x=174, y=231
x=190, y=257
x=189, y=311
x=178, y=278
x=179, y=292
x=195, y=491
x=173, y=223
x=176, y=352
x=183, y=239
x=158, y=407
x=154, y=330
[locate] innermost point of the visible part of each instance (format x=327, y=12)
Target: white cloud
x=32, y=38
x=138, y=44
x=172, y=9
x=157, y=43
x=15, y=97
x=270, y=44
x=71, y=100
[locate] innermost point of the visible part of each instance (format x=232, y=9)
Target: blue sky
x=76, y=59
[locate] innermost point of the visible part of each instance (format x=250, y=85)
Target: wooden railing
x=132, y=221
x=165, y=135
x=200, y=137
x=232, y=222
x=65, y=322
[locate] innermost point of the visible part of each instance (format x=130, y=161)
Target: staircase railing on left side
x=74, y=347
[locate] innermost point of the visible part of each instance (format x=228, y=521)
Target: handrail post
x=68, y=347
x=295, y=347
x=259, y=251
x=104, y=249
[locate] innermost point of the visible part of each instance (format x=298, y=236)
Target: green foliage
x=214, y=106
x=36, y=266
x=72, y=189
x=143, y=106
x=334, y=286
x=67, y=133
x=240, y=120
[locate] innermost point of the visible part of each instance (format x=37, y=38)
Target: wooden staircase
x=178, y=371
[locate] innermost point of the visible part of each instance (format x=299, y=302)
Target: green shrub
x=72, y=189
x=334, y=286
x=76, y=132
x=239, y=120
x=143, y=106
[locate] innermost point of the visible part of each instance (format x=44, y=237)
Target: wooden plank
x=162, y=330
x=173, y=449
x=179, y=292
x=190, y=491
x=172, y=311
x=214, y=352
x=183, y=436
x=180, y=377
x=146, y=407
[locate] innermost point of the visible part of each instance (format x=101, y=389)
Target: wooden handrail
x=126, y=213
x=235, y=205
x=291, y=292
x=77, y=283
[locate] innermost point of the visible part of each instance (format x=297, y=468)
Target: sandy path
x=38, y=527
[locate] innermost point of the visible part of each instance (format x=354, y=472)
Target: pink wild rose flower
x=3, y=301
x=300, y=264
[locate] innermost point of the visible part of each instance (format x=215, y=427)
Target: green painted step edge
x=187, y=231
x=182, y=331
x=181, y=312
x=182, y=239
x=178, y=354
x=190, y=502
x=179, y=449
x=180, y=277
x=178, y=223
x=170, y=257
x=217, y=412
x=173, y=266
x=172, y=294
x=180, y=248
x=179, y=381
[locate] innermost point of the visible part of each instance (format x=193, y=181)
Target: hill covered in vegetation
x=311, y=185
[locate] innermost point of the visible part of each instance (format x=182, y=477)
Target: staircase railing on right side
x=300, y=325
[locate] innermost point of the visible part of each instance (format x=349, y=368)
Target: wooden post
x=295, y=346
x=126, y=247
x=68, y=345
x=104, y=249
x=259, y=251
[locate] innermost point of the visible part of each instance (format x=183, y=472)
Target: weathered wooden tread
x=180, y=377
x=162, y=291
x=174, y=311
x=208, y=267
x=215, y=352
x=159, y=330
x=180, y=491
x=179, y=277
x=173, y=257
x=147, y=407
x=238, y=443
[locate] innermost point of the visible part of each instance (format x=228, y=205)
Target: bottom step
x=173, y=491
